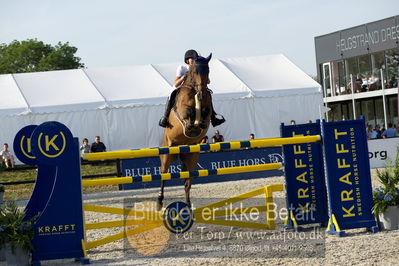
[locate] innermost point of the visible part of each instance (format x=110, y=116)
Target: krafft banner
x=348, y=174
x=304, y=176
x=208, y=160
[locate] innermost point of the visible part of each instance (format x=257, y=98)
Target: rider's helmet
x=190, y=54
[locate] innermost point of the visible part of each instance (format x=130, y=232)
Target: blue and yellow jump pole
x=186, y=174
x=230, y=145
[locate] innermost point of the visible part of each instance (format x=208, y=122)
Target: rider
x=181, y=73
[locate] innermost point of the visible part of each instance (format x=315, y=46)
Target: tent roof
x=90, y=89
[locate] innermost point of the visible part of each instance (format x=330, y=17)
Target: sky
x=122, y=32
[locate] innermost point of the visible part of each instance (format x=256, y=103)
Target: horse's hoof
x=189, y=205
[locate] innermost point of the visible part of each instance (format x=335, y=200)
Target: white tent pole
x=383, y=97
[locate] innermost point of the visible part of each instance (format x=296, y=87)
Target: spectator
x=85, y=148
x=374, y=133
x=204, y=140
x=97, y=145
x=390, y=132
x=378, y=130
x=309, y=121
x=293, y=122
x=251, y=136
x=369, y=131
x=7, y=157
x=217, y=137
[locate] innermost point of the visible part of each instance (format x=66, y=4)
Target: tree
x=32, y=55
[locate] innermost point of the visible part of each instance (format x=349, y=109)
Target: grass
x=19, y=192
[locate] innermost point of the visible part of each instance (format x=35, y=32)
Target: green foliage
x=13, y=229
x=388, y=194
x=32, y=55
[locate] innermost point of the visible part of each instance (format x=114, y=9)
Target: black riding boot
x=169, y=104
x=214, y=120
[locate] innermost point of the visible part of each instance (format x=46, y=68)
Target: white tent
x=123, y=105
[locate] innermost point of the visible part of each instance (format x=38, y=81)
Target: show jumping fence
x=52, y=147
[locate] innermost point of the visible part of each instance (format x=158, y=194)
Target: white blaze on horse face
x=198, y=98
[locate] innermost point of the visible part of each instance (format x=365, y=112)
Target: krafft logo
x=52, y=146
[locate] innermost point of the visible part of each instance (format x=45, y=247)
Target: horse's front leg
x=166, y=161
x=187, y=187
x=189, y=163
x=161, y=196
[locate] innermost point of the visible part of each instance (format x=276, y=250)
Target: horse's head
x=194, y=103
x=198, y=74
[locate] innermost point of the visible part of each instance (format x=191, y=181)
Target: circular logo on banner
x=178, y=217
x=22, y=145
x=52, y=145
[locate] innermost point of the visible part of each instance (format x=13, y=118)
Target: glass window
x=347, y=111
x=358, y=107
x=335, y=113
x=379, y=111
x=392, y=67
x=335, y=78
x=351, y=68
x=392, y=109
x=343, y=89
x=365, y=67
x=367, y=107
x=377, y=63
x=326, y=79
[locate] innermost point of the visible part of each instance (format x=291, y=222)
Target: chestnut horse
x=189, y=121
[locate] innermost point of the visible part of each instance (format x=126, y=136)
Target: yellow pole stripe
x=234, y=145
x=186, y=174
x=107, y=181
x=195, y=148
x=248, y=168
x=147, y=178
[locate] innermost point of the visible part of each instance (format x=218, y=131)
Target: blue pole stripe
x=194, y=173
x=156, y=177
x=245, y=144
x=163, y=150
x=205, y=147
x=175, y=175
x=137, y=179
x=184, y=149
x=212, y=171
x=225, y=145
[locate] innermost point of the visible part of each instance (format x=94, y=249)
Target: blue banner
x=348, y=172
x=304, y=176
x=208, y=160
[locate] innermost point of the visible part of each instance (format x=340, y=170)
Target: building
x=358, y=69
